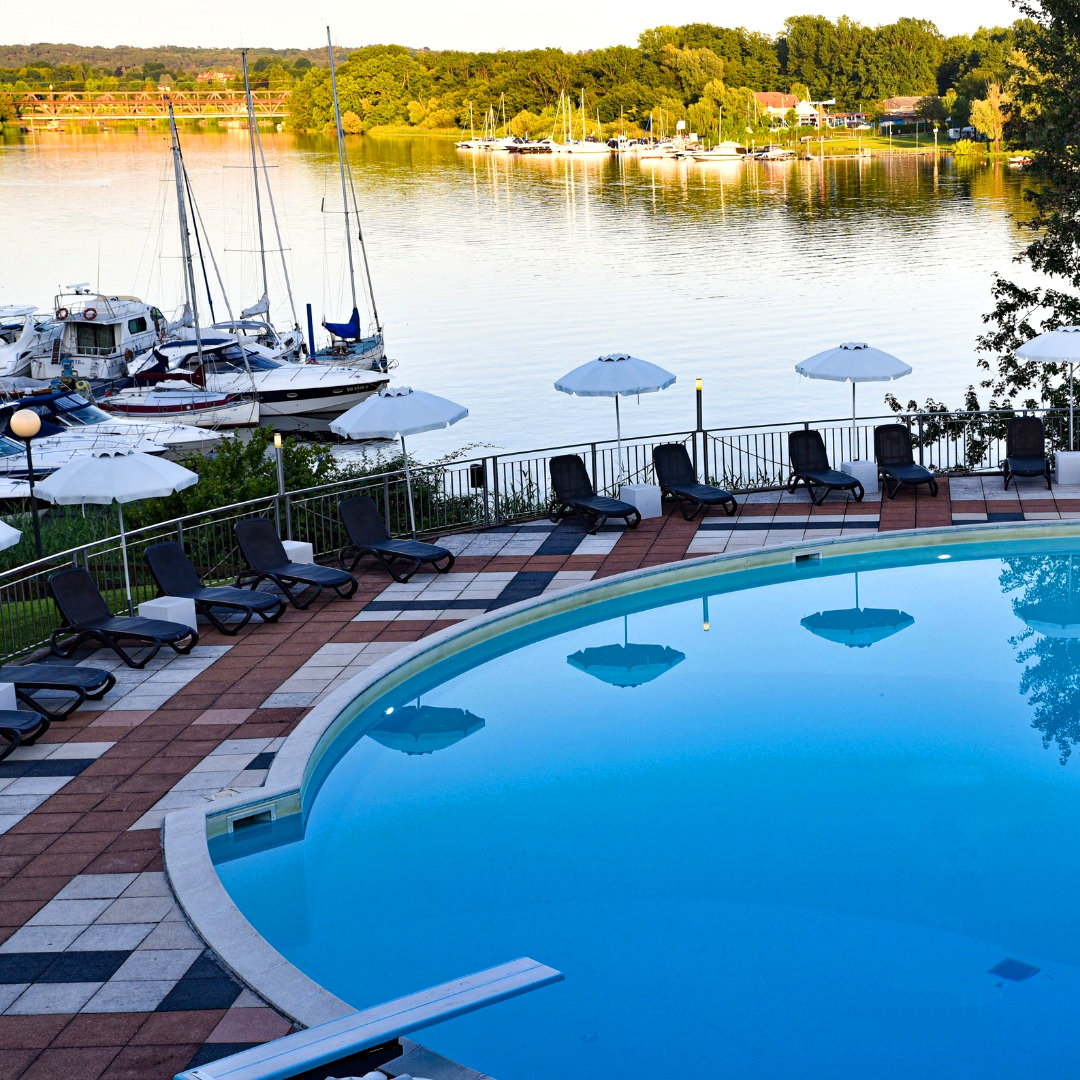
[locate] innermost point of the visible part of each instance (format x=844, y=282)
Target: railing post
x=920, y=439
x=386, y=502
x=487, y=506
x=497, y=508
x=595, y=474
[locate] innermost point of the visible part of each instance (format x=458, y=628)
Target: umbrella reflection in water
x=1056, y=617
x=423, y=729
x=857, y=627
x=628, y=664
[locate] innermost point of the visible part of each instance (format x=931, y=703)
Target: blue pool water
x=794, y=844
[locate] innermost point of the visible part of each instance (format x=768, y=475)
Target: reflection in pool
x=751, y=852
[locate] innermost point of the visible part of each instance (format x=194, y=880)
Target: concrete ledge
x=188, y=864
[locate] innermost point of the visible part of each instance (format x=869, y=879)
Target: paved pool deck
x=100, y=975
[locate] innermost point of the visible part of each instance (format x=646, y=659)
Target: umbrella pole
x=618, y=439
x=1071, y=366
x=854, y=447
x=123, y=548
x=408, y=489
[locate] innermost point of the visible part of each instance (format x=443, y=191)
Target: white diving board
x=336, y=1039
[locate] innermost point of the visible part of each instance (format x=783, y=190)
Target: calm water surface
x=495, y=274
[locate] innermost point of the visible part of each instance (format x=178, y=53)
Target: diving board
x=336, y=1039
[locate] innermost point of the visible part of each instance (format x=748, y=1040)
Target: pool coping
x=185, y=840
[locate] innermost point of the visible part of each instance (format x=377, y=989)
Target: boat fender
x=90, y=314
x=129, y=355
x=62, y=313
x=83, y=387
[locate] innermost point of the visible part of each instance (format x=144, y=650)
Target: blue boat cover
x=351, y=329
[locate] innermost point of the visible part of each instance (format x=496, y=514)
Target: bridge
x=52, y=110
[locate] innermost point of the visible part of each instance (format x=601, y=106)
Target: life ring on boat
x=62, y=313
x=129, y=355
x=90, y=314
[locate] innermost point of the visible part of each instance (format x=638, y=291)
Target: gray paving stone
x=148, y=965
x=53, y=998
x=41, y=939
x=111, y=936
x=19, y=805
x=136, y=909
x=117, y=996
x=9, y=821
x=69, y=913
x=149, y=883
x=95, y=886
x=172, y=935
x=35, y=785
x=9, y=992
x=76, y=750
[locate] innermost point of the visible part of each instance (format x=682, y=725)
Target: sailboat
x=254, y=322
x=349, y=344
x=585, y=145
x=471, y=143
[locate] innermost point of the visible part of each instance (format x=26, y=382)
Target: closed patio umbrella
x=853, y=362
x=393, y=413
x=616, y=375
x=116, y=476
x=1060, y=346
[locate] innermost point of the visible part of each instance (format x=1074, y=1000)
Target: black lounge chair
x=175, y=576
x=268, y=561
x=82, y=683
x=1025, y=449
x=810, y=466
x=368, y=536
x=675, y=473
x=574, y=494
x=895, y=461
x=20, y=727
x=86, y=617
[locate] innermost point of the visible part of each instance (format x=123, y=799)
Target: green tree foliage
x=989, y=114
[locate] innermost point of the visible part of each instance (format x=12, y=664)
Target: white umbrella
x=616, y=375
x=853, y=362
x=115, y=476
x=393, y=413
x=1061, y=346
x=9, y=537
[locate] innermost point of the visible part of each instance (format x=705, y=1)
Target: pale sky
x=466, y=24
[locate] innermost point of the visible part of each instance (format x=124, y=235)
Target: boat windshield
x=9, y=447
x=231, y=358
x=77, y=410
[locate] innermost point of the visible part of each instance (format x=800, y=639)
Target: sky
x=436, y=24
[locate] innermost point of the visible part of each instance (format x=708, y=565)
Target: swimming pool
x=814, y=820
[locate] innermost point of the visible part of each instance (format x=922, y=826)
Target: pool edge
x=185, y=835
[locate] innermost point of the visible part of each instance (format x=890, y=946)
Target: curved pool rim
x=186, y=834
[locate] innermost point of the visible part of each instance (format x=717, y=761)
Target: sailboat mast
x=185, y=236
x=583, y=114
x=341, y=166
x=255, y=178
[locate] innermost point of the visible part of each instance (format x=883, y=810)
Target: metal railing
x=486, y=491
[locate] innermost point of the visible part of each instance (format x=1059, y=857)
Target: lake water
x=495, y=274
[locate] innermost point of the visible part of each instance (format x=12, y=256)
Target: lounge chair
x=20, y=727
x=810, y=466
x=895, y=462
x=267, y=561
x=1025, y=449
x=82, y=683
x=675, y=473
x=86, y=617
x=368, y=536
x=175, y=576
x=575, y=494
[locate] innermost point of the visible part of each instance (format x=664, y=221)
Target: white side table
x=177, y=609
x=1067, y=467
x=299, y=551
x=646, y=497
x=863, y=471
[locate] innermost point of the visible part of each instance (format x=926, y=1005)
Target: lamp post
x=25, y=424
x=935, y=140
x=281, y=487
x=700, y=425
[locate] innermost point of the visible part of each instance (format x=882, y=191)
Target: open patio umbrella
x=9, y=537
x=616, y=375
x=393, y=413
x=1056, y=617
x=857, y=627
x=423, y=729
x=1061, y=346
x=115, y=476
x=628, y=664
x=853, y=362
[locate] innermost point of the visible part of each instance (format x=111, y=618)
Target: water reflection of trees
x=1047, y=599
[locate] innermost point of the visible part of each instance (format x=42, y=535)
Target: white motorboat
x=222, y=365
x=722, y=151
x=182, y=400
x=51, y=452
x=23, y=333
x=67, y=410
x=98, y=335
x=774, y=153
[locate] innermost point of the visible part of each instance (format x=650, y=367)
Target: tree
x=989, y=114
